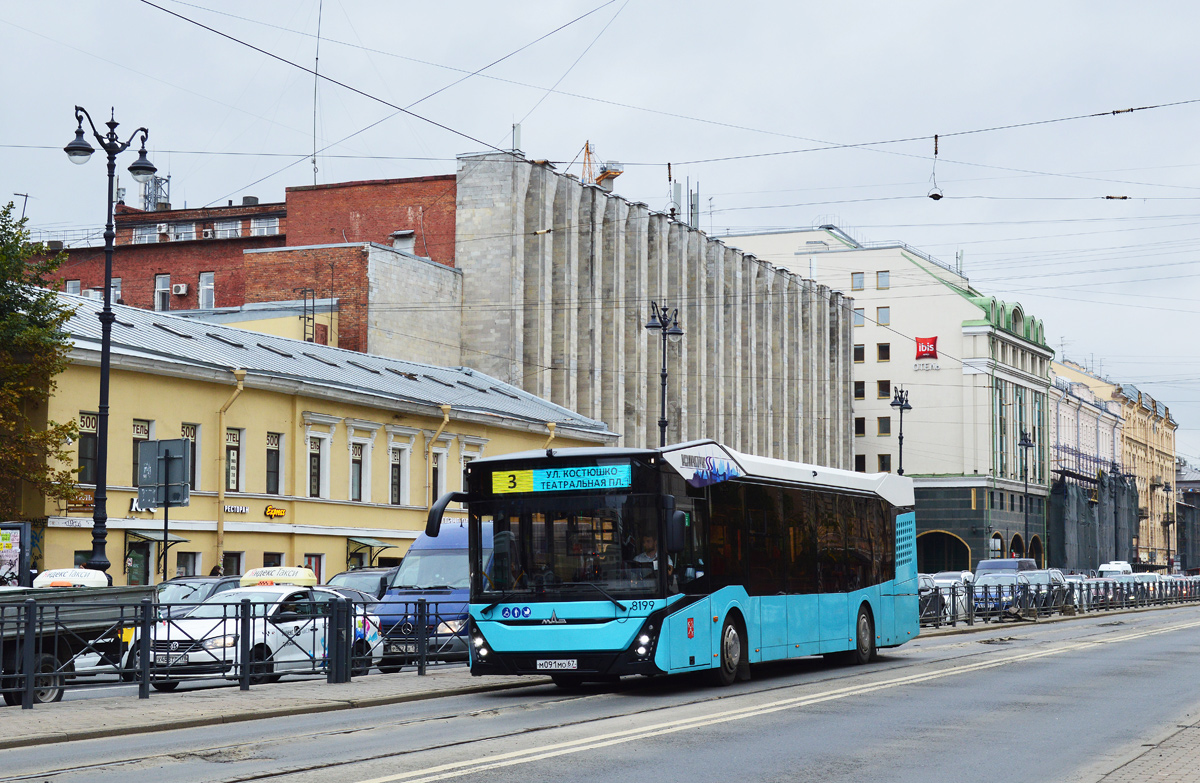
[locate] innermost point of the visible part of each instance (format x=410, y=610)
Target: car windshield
x=582, y=547
x=949, y=575
x=996, y=579
x=218, y=605
x=184, y=592
x=433, y=569
x=367, y=581
x=1038, y=578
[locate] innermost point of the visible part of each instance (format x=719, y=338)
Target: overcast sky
x=650, y=82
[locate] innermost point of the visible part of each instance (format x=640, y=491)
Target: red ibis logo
x=927, y=348
x=691, y=628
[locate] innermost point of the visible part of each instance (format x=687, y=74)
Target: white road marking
x=458, y=768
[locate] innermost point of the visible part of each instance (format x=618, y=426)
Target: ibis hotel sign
x=927, y=354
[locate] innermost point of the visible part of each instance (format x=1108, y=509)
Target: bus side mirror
x=433, y=525
x=676, y=539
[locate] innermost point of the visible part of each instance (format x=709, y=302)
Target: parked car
x=373, y=580
x=997, y=592
x=955, y=587
x=289, y=631
x=931, y=601
x=181, y=592
x=1114, y=568
x=1047, y=590
x=1008, y=565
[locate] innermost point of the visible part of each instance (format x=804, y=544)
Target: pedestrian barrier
x=957, y=603
x=47, y=648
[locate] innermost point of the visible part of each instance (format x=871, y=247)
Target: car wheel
x=360, y=662
x=165, y=687
x=48, y=684
x=261, y=667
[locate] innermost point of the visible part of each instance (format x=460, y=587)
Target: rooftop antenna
x=316, y=81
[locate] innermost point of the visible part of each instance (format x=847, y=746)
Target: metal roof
x=171, y=341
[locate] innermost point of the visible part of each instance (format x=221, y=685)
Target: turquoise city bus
x=593, y=563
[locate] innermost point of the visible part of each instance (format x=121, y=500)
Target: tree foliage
x=34, y=347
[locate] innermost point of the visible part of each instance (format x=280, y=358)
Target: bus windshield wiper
x=600, y=590
x=503, y=597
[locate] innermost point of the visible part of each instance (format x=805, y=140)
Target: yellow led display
x=512, y=481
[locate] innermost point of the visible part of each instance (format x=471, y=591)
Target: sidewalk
x=122, y=715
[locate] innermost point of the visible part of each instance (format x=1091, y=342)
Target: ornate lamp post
x=900, y=403
x=1025, y=444
x=666, y=321
x=142, y=170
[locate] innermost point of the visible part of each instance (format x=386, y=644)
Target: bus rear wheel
x=864, y=649
x=733, y=651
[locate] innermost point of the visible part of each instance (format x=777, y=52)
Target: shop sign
x=273, y=512
x=237, y=509
x=85, y=502
x=927, y=348
x=135, y=507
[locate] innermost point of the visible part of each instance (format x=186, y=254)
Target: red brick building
x=186, y=259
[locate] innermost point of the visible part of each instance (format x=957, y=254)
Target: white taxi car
x=288, y=631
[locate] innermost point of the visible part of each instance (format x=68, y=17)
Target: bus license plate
x=164, y=659
x=557, y=663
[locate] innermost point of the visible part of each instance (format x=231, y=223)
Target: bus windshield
x=565, y=547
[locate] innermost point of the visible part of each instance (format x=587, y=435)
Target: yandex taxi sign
x=279, y=575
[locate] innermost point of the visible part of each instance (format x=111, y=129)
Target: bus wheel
x=864, y=650
x=732, y=651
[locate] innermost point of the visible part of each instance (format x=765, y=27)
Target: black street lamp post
x=666, y=321
x=900, y=403
x=1025, y=444
x=142, y=170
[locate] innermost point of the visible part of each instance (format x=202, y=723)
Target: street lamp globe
x=142, y=169
x=79, y=150
x=674, y=333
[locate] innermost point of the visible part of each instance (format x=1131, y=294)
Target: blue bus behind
x=599, y=563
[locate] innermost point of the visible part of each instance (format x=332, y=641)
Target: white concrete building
x=977, y=373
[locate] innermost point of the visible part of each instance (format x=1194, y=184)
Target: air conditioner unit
x=179, y=289
x=163, y=228
x=208, y=233
x=89, y=293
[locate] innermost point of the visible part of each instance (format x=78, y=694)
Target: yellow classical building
x=1148, y=452
x=301, y=454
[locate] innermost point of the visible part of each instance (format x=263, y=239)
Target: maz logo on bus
x=515, y=612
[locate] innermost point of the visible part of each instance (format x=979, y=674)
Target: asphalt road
x=1054, y=702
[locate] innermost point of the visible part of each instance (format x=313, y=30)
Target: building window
x=162, y=292
x=885, y=425
x=316, y=563
x=356, y=471
x=883, y=316
x=87, y=448
x=857, y=281
x=231, y=563
x=1001, y=494
x=208, y=290
x=72, y=287
x=883, y=280
x=399, y=468
x=860, y=354
x=233, y=460
x=187, y=563
x=145, y=235
x=860, y=390
x=82, y=556
x=885, y=463
x=860, y=463
x=314, y=467
x=273, y=439
x=883, y=352
x=183, y=232
x=860, y=426
x=114, y=291
x=191, y=432
x=264, y=227
x=991, y=499
x=995, y=547
x=227, y=229
x=272, y=559
x=141, y=432
x=437, y=480
x=883, y=389
x=860, y=316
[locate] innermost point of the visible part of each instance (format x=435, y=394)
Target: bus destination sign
x=562, y=479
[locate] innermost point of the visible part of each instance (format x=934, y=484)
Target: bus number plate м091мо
x=557, y=663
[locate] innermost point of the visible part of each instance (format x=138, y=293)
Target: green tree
x=34, y=347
